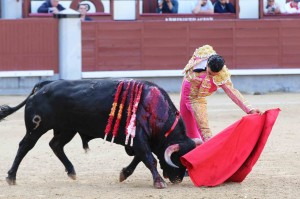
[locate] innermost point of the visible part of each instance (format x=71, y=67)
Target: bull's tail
x=6, y=110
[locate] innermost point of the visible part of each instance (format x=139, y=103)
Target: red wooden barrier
x=152, y=45
x=32, y=44
x=29, y=44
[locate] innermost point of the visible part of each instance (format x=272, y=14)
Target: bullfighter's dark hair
x=215, y=63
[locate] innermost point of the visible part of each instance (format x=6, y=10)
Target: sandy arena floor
x=41, y=175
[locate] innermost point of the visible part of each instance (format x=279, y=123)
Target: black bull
x=86, y=107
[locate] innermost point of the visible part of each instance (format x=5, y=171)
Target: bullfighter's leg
x=57, y=145
x=127, y=171
x=143, y=151
x=26, y=144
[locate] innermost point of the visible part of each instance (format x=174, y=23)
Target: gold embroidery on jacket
x=205, y=87
x=201, y=53
x=222, y=77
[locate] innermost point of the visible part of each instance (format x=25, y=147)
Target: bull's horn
x=168, y=152
x=197, y=141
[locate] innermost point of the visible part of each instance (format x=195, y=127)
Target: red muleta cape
x=231, y=154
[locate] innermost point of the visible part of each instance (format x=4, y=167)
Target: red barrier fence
x=152, y=45
x=32, y=44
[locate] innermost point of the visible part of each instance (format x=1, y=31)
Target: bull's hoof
x=11, y=180
x=159, y=183
x=122, y=176
x=72, y=176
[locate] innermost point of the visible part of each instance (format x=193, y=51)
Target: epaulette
x=222, y=77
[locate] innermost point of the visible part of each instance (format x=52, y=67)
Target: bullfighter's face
x=210, y=72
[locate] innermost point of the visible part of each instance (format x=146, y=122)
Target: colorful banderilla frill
x=119, y=116
x=132, y=124
x=134, y=99
x=130, y=105
x=113, y=110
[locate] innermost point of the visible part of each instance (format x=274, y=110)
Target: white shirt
x=208, y=6
x=291, y=10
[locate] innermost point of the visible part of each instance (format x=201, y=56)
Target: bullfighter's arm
x=236, y=96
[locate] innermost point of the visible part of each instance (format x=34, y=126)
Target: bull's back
x=74, y=105
x=86, y=96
